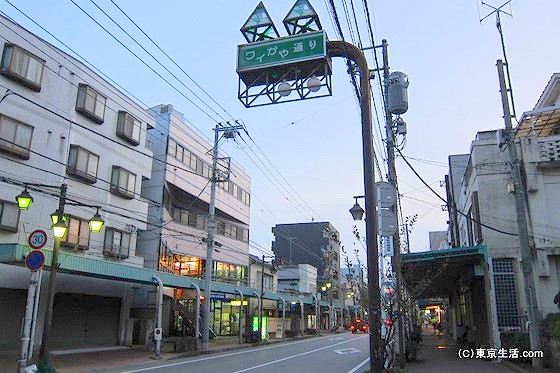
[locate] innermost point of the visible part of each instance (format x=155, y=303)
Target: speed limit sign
x=37, y=239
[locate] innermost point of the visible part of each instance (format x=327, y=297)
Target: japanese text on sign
x=281, y=51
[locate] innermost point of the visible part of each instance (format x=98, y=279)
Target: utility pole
x=527, y=257
x=392, y=179
x=51, y=291
x=208, y=269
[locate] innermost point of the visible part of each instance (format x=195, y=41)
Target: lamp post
x=60, y=228
x=326, y=288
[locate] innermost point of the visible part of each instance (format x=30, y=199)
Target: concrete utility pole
x=208, y=269
x=392, y=179
x=520, y=207
x=347, y=50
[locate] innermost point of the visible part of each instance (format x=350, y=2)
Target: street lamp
x=24, y=200
x=60, y=228
x=357, y=211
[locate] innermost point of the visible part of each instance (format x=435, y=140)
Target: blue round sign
x=35, y=260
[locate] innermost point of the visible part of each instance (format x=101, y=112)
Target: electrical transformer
x=398, y=93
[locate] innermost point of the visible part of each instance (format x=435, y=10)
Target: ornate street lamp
x=24, y=200
x=357, y=211
x=96, y=222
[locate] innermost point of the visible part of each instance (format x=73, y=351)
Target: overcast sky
x=306, y=160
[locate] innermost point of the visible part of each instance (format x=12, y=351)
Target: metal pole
x=302, y=322
x=44, y=351
x=34, y=319
x=344, y=49
x=261, y=301
x=210, y=247
x=240, y=317
x=159, y=309
x=392, y=178
x=526, y=255
x=28, y=322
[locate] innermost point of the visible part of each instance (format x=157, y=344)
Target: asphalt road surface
x=338, y=353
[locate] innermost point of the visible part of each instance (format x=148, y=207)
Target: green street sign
x=282, y=51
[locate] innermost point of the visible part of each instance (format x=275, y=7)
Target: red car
x=358, y=325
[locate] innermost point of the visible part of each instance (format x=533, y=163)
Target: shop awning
x=92, y=267
x=437, y=273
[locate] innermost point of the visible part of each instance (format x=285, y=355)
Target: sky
x=305, y=160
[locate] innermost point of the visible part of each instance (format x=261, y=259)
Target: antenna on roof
x=497, y=11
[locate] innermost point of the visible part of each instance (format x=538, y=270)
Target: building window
x=9, y=216
x=123, y=182
x=91, y=103
x=268, y=282
x=117, y=244
x=15, y=137
x=128, y=128
x=82, y=164
x=20, y=65
x=77, y=235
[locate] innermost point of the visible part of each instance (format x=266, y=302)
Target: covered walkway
x=439, y=353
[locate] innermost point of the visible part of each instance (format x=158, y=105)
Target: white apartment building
x=179, y=194
x=61, y=123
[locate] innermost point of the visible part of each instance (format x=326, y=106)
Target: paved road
x=334, y=353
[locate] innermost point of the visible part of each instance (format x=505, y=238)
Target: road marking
x=335, y=339
x=294, y=356
x=359, y=366
x=346, y=351
x=223, y=355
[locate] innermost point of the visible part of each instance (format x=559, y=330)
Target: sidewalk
x=119, y=357
x=439, y=354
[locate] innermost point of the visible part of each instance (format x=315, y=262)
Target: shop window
x=23, y=66
x=128, y=128
x=91, y=103
x=82, y=164
x=15, y=137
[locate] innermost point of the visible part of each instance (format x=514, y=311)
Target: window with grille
x=9, y=216
x=91, y=103
x=82, y=164
x=15, y=137
x=128, y=128
x=506, y=294
x=123, y=182
x=23, y=66
x=117, y=244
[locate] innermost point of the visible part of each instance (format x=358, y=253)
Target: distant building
x=316, y=244
x=438, y=240
x=297, y=279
